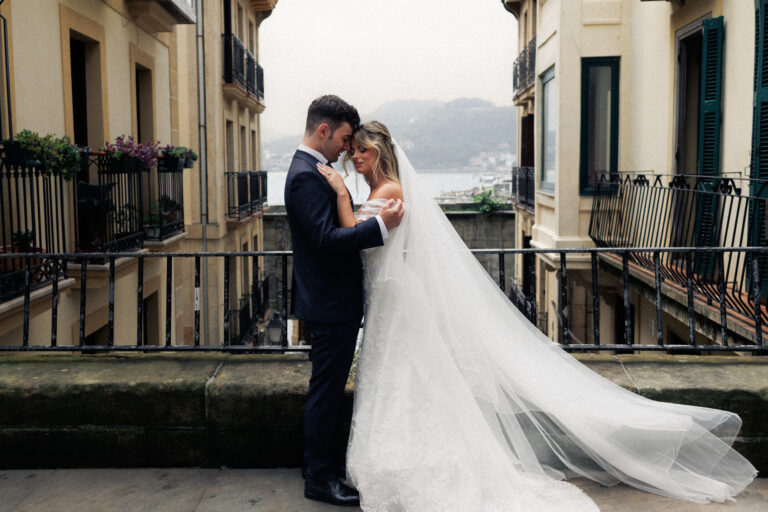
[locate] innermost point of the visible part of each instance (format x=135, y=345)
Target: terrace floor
x=265, y=490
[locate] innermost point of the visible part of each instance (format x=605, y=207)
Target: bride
x=463, y=405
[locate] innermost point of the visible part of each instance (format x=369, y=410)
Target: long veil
x=549, y=414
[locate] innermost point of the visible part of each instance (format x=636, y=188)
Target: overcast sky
x=373, y=51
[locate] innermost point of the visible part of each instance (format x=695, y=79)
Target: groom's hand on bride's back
x=392, y=213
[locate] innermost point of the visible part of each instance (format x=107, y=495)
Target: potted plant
x=126, y=148
x=161, y=212
x=29, y=149
x=179, y=155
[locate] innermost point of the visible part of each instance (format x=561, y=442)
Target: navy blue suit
x=328, y=295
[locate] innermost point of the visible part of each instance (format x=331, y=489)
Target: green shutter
x=757, y=206
x=710, y=117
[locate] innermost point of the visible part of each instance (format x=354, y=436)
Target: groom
x=328, y=285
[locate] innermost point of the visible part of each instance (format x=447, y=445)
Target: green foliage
x=179, y=152
x=161, y=210
x=486, y=203
x=53, y=152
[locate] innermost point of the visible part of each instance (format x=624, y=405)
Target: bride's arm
x=343, y=204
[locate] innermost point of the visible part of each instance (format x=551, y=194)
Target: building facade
x=641, y=123
x=95, y=70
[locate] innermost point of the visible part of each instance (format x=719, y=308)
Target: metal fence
x=524, y=69
x=164, y=205
x=33, y=204
x=263, y=299
x=234, y=59
x=246, y=193
x=523, y=187
x=635, y=210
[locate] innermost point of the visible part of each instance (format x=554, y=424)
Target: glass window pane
x=598, y=122
x=548, y=133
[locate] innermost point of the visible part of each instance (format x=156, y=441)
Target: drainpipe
x=203, y=144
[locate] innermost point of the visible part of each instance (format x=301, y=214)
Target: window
x=144, y=109
x=548, y=131
x=599, y=120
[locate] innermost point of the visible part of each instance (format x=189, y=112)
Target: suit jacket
x=327, y=270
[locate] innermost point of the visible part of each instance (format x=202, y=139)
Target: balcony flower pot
x=185, y=155
x=49, y=154
x=172, y=163
x=151, y=232
x=16, y=155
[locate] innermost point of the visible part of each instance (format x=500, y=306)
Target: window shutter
x=710, y=118
x=757, y=206
x=710, y=97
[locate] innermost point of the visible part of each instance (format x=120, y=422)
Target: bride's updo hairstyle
x=374, y=135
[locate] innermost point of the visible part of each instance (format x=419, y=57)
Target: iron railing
x=523, y=187
x=241, y=68
x=635, y=210
x=259, y=82
x=277, y=299
x=33, y=213
x=524, y=69
x=164, y=204
x=246, y=193
x=109, y=203
x=250, y=73
x=234, y=60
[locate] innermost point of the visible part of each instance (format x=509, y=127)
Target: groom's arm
x=315, y=217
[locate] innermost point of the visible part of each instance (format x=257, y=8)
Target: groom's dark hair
x=332, y=110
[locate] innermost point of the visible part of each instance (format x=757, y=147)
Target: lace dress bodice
x=370, y=208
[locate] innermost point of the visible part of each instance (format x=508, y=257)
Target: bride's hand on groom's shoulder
x=392, y=213
x=334, y=179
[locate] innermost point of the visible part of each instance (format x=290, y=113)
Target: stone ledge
x=209, y=409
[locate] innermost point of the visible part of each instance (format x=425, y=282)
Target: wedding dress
x=462, y=405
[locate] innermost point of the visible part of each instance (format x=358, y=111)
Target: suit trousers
x=333, y=349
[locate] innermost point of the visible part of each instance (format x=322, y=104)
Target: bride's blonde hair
x=374, y=135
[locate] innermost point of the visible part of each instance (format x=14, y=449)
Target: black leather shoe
x=334, y=492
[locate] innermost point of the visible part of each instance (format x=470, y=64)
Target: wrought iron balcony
x=246, y=193
x=234, y=60
x=164, y=205
x=250, y=73
x=33, y=219
x=109, y=203
x=274, y=296
x=523, y=187
x=689, y=211
x=259, y=83
x=524, y=70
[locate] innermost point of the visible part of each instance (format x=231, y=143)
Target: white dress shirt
x=318, y=155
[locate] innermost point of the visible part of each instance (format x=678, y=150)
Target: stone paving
x=259, y=490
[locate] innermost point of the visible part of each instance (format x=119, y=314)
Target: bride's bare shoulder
x=388, y=190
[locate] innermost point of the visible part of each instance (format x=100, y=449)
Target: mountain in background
x=463, y=134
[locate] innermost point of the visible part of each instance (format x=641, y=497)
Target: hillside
x=436, y=135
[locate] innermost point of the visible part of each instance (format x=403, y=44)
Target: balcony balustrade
x=246, y=193
x=33, y=213
x=270, y=292
x=524, y=69
x=165, y=200
x=109, y=203
x=234, y=60
x=250, y=72
x=523, y=187
x=635, y=210
x=241, y=68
